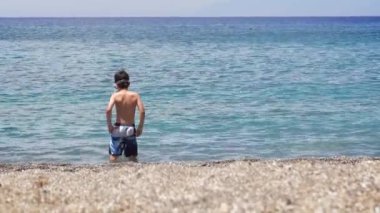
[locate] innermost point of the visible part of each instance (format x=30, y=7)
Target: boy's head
x=122, y=79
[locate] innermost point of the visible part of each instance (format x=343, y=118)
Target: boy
x=123, y=132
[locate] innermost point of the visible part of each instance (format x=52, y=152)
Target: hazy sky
x=58, y=8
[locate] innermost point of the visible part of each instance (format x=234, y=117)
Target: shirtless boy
x=123, y=132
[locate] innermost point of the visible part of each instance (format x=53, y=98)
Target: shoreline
x=342, y=184
x=20, y=166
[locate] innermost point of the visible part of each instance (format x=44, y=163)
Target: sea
x=225, y=88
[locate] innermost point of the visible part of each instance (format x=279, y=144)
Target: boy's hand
x=110, y=128
x=138, y=132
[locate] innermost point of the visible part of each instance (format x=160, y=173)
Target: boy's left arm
x=109, y=113
x=141, y=109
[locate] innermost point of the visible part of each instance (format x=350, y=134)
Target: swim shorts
x=123, y=139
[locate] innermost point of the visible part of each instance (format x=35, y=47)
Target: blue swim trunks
x=123, y=139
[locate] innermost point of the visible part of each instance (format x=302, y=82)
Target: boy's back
x=125, y=103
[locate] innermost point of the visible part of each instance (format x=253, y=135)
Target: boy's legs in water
x=113, y=158
x=132, y=158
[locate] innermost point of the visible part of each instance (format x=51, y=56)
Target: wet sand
x=299, y=185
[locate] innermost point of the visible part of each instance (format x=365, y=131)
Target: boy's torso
x=125, y=102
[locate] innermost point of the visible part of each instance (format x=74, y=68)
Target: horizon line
x=296, y=16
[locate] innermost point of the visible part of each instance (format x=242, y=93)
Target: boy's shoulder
x=123, y=92
x=132, y=92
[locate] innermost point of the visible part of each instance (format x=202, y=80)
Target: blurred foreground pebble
x=301, y=185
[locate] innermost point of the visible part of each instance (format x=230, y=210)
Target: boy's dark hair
x=122, y=79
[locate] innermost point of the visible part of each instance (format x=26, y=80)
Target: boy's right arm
x=140, y=107
x=109, y=114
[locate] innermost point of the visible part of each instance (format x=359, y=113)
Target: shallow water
x=214, y=88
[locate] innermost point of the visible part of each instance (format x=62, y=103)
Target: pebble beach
x=296, y=185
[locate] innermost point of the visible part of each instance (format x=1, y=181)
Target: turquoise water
x=214, y=88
